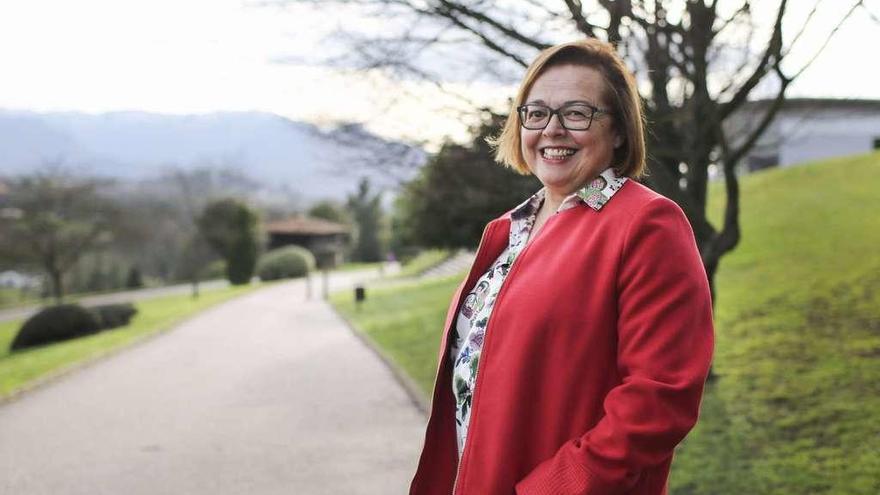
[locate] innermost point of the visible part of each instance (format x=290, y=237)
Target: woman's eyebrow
x=569, y=102
x=585, y=102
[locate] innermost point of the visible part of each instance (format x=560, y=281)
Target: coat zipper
x=504, y=286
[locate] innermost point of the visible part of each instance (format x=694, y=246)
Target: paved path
x=267, y=394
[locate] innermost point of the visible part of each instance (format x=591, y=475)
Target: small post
x=360, y=293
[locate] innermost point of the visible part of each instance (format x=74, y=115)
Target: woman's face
x=565, y=160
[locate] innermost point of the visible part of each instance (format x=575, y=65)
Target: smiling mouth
x=557, y=153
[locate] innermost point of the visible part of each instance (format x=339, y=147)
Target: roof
x=820, y=103
x=306, y=225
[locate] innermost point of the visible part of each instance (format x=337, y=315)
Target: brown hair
x=622, y=93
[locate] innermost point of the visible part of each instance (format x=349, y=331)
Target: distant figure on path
x=574, y=354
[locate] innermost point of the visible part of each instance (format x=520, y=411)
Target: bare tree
x=53, y=218
x=159, y=227
x=196, y=252
x=191, y=191
x=698, y=62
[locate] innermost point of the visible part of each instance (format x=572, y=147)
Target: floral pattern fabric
x=473, y=317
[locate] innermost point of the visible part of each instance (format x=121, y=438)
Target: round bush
x=113, y=315
x=54, y=324
x=286, y=262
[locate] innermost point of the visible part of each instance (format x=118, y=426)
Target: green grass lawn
x=154, y=315
x=796, y=404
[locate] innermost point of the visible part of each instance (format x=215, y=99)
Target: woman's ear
x=618, y=140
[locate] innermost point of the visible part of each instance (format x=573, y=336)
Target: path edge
x=409, y=385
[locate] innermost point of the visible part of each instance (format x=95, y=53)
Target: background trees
x=52, y=220
x=230, y=227
x=697, y=61
x=330, y=210
x=366, y=211
x=458, y=191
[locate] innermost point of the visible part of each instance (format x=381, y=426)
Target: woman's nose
x=554, y=126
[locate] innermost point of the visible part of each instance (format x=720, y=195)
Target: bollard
x=360, y=293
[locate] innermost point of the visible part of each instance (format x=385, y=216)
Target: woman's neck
x=552, y=201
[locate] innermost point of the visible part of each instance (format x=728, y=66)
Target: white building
x=16, y=280
x=807, y=129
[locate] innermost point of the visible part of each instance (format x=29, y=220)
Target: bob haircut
x=620, y=91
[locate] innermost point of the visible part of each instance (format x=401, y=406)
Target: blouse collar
x=596, y=195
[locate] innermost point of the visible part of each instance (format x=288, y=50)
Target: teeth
x=558, y=152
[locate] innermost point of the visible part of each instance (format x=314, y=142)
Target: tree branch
x=743, y=9
x=487, y=41
x=773, y=52
x=575, y=8
x=617, y=11
x=508, y=31
x=834, y=31
x=736, y=155
x=804, y=26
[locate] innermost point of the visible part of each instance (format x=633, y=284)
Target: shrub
x=55, y=324
x=242, y=261
x=286, y=262
x=113, y=315
x=230, y=227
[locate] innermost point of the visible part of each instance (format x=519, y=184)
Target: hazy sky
x=193, y=56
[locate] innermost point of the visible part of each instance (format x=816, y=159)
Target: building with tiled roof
x=325, y=239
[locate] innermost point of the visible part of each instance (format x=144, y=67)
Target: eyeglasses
x=572, y=116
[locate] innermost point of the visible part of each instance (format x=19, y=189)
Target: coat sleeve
x=665, y=342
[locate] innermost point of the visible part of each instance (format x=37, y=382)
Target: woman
x=575, y=352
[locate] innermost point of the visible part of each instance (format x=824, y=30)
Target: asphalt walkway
x=267, y=394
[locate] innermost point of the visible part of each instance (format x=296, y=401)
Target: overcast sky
x=194, y=56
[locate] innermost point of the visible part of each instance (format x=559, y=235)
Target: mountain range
x=131, y=145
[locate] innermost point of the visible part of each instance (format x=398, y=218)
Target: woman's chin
x=555, y=184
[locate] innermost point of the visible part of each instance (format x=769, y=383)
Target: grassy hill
x=796, y=405
x=796, y=408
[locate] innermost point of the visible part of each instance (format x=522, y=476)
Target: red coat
x=594, y=359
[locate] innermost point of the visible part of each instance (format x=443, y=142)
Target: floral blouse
x=473, y=317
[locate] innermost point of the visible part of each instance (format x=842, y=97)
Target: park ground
x=795, y=401
x=796, y=398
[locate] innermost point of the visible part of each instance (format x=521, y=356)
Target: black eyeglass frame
x=520, y=111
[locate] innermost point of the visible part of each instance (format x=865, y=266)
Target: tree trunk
x=56, y=277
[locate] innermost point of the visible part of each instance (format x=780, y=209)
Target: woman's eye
x=575, y=115
x=537, y=114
